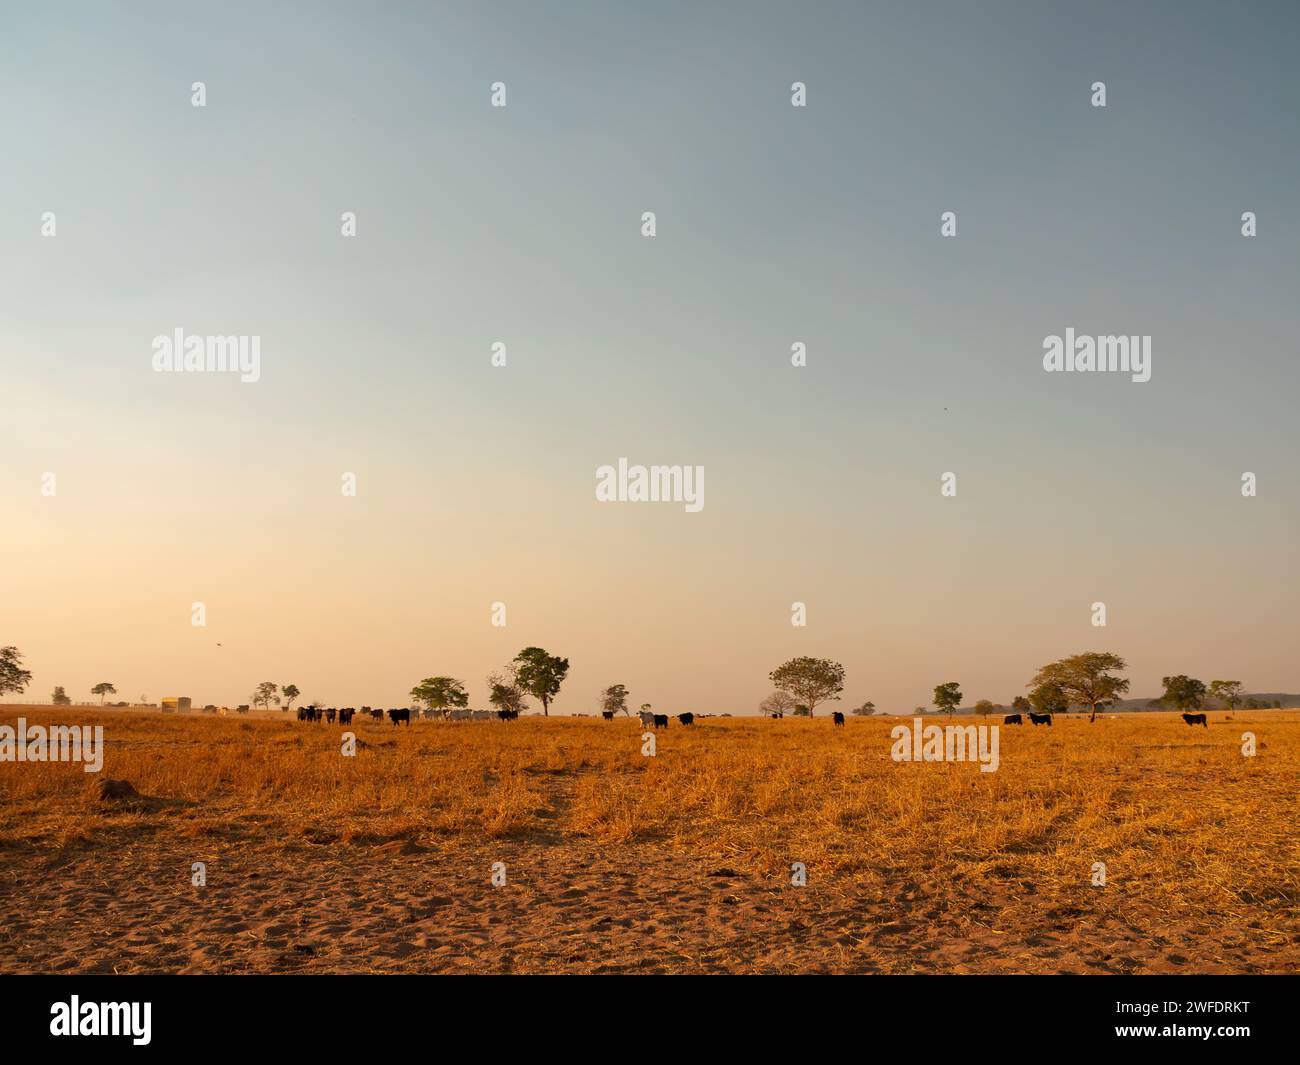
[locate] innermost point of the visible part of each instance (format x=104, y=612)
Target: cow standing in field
x=686, y=719
x=1195, y=719
x=1013, y=719
x=400, y=716
x=507, y=715
x=329, y=715
x=377, y=713
x=647, y=719
x=608, y=715
x=837, y=718
x=1040, y=719
x=660, y=720
x=776, y=714
x=345, y=716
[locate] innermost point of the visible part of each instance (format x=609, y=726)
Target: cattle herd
x=398, y=715
x=402, y=716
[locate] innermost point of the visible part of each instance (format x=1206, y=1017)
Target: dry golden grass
x=1193, y=834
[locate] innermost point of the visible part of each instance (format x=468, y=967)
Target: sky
x=522, y=224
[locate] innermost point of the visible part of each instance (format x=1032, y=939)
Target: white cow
x=481, y=715
x=460, y=715
x=647, y=719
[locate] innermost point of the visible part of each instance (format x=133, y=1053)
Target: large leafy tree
x=810, y=680
x=985, y=707
x=1086, y=679
x=947, y=697
x=613, y=700
x=865, y=710
x=13, y=678
x=540, y=674
x=266, y=691
x=440, y=693
x=1228, y=692
x=60, y=697
x=1021, y=705
x=102, y=689
x=1182, y=692
x=290, y=693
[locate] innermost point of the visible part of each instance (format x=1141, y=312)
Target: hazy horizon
x=522, y=224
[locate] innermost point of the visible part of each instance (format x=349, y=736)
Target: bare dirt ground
x=615, y=862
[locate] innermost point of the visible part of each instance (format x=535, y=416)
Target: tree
x=1228, y=692
x=1086, y=679
x=290, y=692
x=865, y=710
x=984, y=707
x=505, y=693
x=613, y=700
x=101, y=689
x=1183, y=693
x=540, y=674
x=810, y=680
x=1021, y=705
x=778, y=703
x=947, y=697
x=60, y=697
x=440, y=693
x=1048, y=699
x=266, y=691
x=13, y=678
x=802, y=711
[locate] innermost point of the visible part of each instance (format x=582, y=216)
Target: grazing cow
x=1040, y=719
x=686, y=719
x=377, y=713
x=507, y=715
x=837, y=717
x=660, y=720
x=398, y=716
x=345, y=716
x=647, y=719
x=1013, y=719
x=329, y=715
x=608, y=715
x=1195, y=719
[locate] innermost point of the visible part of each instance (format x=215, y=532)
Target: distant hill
x=1289, y=700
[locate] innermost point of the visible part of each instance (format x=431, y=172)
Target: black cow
x=507, y=715
x=377, y=713
x=1195, y=719
x=686, y=719
x=776, y=715
x=1040, y=719
x=345, y=716
x=608, y=715
x=1013, y=719
x=837, y=718
x=661, y=720
x=302, y=713
x=398, y=716
x=329, y=715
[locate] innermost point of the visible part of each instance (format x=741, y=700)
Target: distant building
x=180, y=704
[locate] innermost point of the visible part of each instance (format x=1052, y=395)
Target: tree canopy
x=810, y=680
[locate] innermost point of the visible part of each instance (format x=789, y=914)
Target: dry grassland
x=617, y=862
